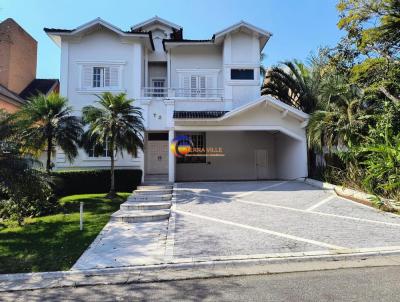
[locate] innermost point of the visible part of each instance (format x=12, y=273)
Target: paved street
x=248, y=218
x=366, y=284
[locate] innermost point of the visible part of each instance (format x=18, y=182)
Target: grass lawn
x=55, y=242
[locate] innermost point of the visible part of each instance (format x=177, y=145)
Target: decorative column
x=171, y=157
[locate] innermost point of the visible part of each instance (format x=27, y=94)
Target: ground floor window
x=199, y=142
x=100, y=151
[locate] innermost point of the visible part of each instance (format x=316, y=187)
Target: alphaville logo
x=181, y=146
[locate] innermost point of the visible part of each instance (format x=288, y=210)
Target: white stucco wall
x=291, y=161
x=103, y=47
x=239, y=160
x=195, y=57
x=241, y=50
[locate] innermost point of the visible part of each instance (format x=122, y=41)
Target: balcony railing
x=155, y=92
x=200, y=93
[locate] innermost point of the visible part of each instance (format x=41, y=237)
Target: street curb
x=350, y=194
x=197, y=270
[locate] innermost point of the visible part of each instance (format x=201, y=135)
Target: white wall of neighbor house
x=239, y=160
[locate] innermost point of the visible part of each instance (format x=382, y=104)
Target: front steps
x=134, y=198
x=147, y=203
x=161, y=179
x=140, y=216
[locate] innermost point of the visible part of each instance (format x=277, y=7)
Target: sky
x=299, y=27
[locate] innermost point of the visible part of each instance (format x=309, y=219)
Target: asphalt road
x=362, y=284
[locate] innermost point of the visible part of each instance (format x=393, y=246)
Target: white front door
x=157, y=157
x=261, y=161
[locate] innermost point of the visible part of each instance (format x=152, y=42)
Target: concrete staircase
x=150, y=202
x=156, y=179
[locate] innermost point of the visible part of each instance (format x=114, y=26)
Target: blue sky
x=298, y=26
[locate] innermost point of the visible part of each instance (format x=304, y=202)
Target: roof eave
x=155, y=19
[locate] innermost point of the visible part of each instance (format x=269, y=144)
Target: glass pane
x=242, y=74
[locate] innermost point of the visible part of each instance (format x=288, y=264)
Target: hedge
x=95, y=181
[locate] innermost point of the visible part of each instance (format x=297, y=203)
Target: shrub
x=95, y=181
x=24, y=191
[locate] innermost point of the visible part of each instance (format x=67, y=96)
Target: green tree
x=378, y=76
x=342, y=120
x=46, y=122
x=115, y=122
x=24, y=190
x=372, y=25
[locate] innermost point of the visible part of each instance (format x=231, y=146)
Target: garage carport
x=261, y=140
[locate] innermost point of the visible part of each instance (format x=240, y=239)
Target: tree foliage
x=372, y=25
x=115, y=122
x=46, y=122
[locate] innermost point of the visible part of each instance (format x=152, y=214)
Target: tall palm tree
x=46, y=122
x=115, y=122
x=263, y=70
x=293, y=83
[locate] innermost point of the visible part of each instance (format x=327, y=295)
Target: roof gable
x=244, y=27
x=284, y=108
x=155, y=20
x=55, y=34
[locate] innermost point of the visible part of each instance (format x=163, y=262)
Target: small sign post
x=81, y=216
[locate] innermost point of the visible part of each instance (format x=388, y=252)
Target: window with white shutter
x=100, y=77
x=197, y=84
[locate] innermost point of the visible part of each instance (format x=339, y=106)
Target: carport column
x=171, y=157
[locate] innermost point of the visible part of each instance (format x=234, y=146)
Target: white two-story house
x=208, y=90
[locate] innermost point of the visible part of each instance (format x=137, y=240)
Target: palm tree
x=115, y=122
x=293, y=83
x=46, y=122
x=341, y=121
x=263, y=70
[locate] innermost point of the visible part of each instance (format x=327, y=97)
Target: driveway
x=274, y=217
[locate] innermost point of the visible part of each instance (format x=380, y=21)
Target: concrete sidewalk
x=126, y=244
x=196, y=269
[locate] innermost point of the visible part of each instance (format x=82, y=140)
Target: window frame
x=194, y=159
x=105, y=151
x=82, y=65
x=242, y=69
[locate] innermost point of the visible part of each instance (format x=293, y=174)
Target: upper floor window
x=198, y=84
x=242, y=74
x=100, y=77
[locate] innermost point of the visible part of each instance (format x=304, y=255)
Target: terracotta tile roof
x=4, y=91
x=198, y=114
x=38, y=86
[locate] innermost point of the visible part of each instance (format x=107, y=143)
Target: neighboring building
x=18, y=52
x=208, y=90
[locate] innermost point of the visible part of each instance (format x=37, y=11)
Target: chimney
x=18, y=55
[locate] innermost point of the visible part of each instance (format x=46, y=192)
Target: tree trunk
x=49, y=149
x=389, y=95
x=112, y=193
